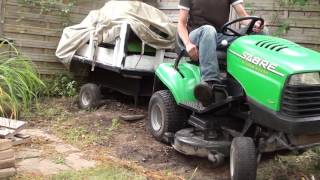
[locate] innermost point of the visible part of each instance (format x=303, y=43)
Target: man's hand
x=258, y=27
x=243, y=13
x=192, y=51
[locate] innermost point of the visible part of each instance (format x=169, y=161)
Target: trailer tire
x=243, y=159
x=89, y=96
x=165, y=116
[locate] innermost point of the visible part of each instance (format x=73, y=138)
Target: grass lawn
x=100, y=173
x=107, y=172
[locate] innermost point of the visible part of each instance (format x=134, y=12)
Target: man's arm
x=182, y=26
x=240, y=10
x=184, y=35
x=239, y=7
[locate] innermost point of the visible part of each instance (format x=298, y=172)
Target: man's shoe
x=203, y=92
x=209, y=92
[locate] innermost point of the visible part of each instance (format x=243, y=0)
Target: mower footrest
x=194, y=106
x=197, y=107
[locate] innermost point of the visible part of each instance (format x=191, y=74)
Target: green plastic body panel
x=261, y=64
x=182, y=83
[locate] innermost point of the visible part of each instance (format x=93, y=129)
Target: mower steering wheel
x=227, y=30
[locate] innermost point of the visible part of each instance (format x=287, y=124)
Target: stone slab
x=5, y=144
x=64, y=148
x=18, y=141
x=36, y=161
x=11, y=123
x=27, y=153
x=40, y=133
x=6, y=173
x=23, y=136
x=7, y=163
x=6, y=133
x=6, y=154
x=41, y=166
x=76, y=161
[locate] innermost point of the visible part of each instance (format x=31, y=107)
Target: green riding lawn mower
x=269, y=101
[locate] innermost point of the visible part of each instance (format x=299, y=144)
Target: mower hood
x=277, y=55
x=262, y=65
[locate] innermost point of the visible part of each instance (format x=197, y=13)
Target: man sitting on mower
x=199, y=29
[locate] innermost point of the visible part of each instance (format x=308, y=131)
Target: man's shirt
x=207, y=12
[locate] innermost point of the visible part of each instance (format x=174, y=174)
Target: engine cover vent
x=274, y=45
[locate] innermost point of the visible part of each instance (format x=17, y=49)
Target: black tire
x=243, y=159
x=89, y=96
x=171, y=117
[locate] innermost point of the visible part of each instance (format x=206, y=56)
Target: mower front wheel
x=243, y=159
x=164, y=115
x=89, y=96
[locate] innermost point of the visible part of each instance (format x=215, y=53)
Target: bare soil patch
x=102, y=131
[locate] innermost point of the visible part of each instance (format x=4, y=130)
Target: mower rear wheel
x=89, y=96
x=164, y=115
x=243, y=160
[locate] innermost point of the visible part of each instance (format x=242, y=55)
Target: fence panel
x=37, y=34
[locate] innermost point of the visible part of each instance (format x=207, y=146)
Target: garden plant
x=19, y=80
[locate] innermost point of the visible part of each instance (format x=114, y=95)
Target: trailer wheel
x=243, y=160
x=89, y=96
x=164, y=115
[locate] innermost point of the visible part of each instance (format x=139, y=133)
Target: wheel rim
x=85, y=98
x=232, y=161
x=156, y=117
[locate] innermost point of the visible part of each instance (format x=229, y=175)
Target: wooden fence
x=37, y=34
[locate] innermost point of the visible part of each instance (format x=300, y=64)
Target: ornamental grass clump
x=19, y=81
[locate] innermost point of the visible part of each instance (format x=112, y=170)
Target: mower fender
x=180, y=83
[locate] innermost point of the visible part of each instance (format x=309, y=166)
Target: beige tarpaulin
x=105, y=25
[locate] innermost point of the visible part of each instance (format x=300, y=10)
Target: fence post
x=2, y=15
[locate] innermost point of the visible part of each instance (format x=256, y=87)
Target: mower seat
x=221, y=52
